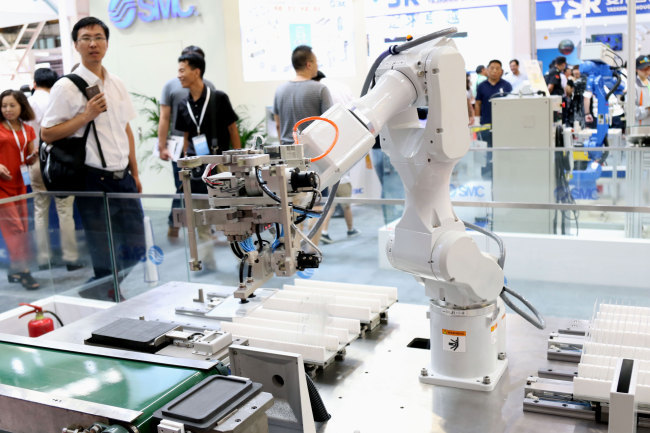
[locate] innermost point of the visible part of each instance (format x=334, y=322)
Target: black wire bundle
x=268, y=192
x=562, y=188
x=242, y=262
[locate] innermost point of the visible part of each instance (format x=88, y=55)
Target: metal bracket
x=283, y=375
x=565, y=347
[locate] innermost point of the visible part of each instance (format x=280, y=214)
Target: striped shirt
x=296, y=100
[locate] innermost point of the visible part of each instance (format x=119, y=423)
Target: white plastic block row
x=641, y=318
x=381, y=299
x=375, y=306
x=595, y=389
x=304, y=328
x=616, y=350
x=623, y=309
x=389, y=291
x=619, y=337
x=329, y=342
x=609, y=361
x=336, y=297
x=601, y=372
x=353, y=326
x=623, y=325
x=617, y=331
x=363, y=314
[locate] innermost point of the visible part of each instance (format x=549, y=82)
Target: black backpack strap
x=99, y=147
x=82, y=85
x=79, y=82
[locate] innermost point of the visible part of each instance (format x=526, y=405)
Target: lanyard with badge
x=24, y=171
x=200, y=141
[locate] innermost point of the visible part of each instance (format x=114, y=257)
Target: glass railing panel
x=91, y=276
x=599, y=253
x=20, y=278
x=147, y=247
x=614, y=175
x=563, y=274
x=51, y=242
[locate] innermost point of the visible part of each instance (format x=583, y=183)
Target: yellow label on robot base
x=455, y=333
x=453, y=341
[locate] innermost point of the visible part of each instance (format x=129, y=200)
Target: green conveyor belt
x=127, y=384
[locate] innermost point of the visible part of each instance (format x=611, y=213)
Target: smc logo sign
x=469, y=190
x=123, y=12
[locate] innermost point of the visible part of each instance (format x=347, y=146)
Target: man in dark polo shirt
x=209, y=124
x=553, y=78
x=206, y=116
x=493, y=87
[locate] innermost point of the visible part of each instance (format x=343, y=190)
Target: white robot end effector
x=253, y=195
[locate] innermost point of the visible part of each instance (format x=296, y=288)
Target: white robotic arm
x=429, y=241
x=466, y=314
x=258, y=195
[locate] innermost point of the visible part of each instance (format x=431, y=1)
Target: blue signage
x=122, y=13
x=374, y=8
x=156, y=255
x=584, y=193
x=466, y=191
x=570, y=9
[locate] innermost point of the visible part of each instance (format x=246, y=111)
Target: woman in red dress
x=16, y=152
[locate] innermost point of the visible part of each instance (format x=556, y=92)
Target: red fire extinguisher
x=40, y=324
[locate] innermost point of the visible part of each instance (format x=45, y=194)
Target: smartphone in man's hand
x=92, y=91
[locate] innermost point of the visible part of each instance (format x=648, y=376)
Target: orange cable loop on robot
x=307, y=119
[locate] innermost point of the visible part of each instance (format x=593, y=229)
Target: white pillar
x=70, y=11
x=521, y=29
x=583, y=23
x=631, y=63
x=532, y=22
x=67, y=9
x=634, y=221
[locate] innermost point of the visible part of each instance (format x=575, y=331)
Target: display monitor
x=612, y=40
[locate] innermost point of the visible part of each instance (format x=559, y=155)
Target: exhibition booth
x=493, y=279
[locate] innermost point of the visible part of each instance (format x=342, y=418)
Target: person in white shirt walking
x=516, y=78
x=44, y=79
x=110, y=163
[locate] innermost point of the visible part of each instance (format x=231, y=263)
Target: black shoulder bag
x=63, y=162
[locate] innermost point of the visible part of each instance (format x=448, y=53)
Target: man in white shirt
x=111, y=166
x=516, y=78
x=44, y=79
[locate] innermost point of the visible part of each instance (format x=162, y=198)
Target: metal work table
x=376, y=388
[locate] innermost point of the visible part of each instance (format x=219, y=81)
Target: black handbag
x=63, y=162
